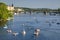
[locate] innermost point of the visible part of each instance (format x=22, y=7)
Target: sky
x=52, y=4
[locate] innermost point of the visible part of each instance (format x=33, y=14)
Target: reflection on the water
x=5, y=27
x=2, y=23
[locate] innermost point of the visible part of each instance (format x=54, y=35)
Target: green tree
x=4, y=13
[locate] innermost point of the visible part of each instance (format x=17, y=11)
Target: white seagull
x=24, y=32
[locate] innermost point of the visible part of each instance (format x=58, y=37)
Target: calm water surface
x=50, y=29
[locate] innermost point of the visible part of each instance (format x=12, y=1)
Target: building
x=10, y=8
x=20, y=10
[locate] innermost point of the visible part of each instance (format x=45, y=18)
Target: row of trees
x=38, y=9
x=4, y=13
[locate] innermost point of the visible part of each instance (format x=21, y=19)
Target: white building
x=10, y=8
x=20, y=10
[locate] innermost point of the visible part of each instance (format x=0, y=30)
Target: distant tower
x=12, y=5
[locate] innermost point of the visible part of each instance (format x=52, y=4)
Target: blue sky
x=53, y=4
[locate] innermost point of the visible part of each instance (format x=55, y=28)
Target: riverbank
x=3, y=22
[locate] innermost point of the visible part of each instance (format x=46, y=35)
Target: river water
x=49, y=27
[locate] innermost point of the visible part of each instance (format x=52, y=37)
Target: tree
x=4, y=13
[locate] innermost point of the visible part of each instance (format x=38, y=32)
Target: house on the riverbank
x=15, y=9
x=10, y=8
x=18, y=9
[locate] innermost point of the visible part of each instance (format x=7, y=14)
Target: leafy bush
x=4, y=13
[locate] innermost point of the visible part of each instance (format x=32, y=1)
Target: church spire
x=12, y=5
